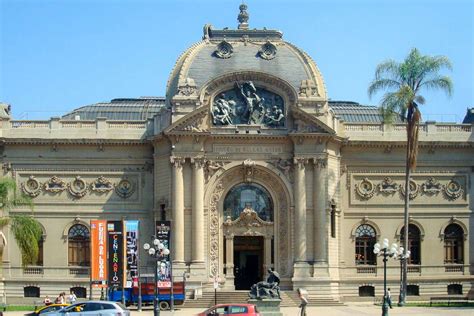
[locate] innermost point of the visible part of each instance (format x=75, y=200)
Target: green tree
x=404, y=83
x=26, y=229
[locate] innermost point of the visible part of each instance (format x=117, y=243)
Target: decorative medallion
x=187, y=88
x=414, y=189
x=365, y=189
x=77, y=188
x=125, y=188
x=453, y=190
x=267, y=51
x=55, y=185
x=102, y=185
x=224, y=50
x=431, y=186
x=387, y=186
x=31, y=187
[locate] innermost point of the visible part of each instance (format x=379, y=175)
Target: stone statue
x=266, y=289
x=222, y=110
x=254, y=109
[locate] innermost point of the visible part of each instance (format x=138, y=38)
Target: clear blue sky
x=57, y=55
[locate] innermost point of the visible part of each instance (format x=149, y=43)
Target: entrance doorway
x=248, y=261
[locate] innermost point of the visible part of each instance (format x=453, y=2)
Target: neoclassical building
x=256, y=168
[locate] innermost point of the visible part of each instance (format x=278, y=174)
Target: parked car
x=46, y=309
x=102, y=308
x=231, y=309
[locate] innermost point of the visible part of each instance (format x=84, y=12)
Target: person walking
x=72, y=297
x=304, y=301
x=389, y=298
x=47, y=301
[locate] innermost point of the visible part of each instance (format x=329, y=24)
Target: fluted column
x=198, y=210
x=319, y=215
x=178, y=210
x=300, y=210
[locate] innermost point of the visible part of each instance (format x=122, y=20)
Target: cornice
x=402, y=144
x=74, y=141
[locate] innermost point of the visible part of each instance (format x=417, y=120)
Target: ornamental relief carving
x=78, y=187
x=248, y=104
x=31, y=187
x=452, y=189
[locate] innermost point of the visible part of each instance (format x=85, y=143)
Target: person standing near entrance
x=304, y=301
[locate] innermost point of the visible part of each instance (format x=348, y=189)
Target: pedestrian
x=72, y=297
x=304, y=301
x=389, y=298
x=47, y=301
x=60, y=299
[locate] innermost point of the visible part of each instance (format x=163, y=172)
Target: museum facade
x=256, y=169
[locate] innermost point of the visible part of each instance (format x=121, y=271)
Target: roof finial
x=243, y=17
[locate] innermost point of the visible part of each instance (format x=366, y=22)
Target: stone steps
x=288, y=299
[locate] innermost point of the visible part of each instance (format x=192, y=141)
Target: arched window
x=453, y=244
x=78, y=248
x=40, y=252
x=364, y=245
x=252, y=196
x=414, y=243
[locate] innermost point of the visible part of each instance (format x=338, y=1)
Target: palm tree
x=26, y=230
x=404, y=81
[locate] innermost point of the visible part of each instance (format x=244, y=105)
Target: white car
x=102, y=308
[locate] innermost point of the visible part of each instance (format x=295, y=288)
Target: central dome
x=227, y=51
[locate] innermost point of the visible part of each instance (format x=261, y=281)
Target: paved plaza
x=352, y=310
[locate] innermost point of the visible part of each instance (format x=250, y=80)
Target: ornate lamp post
x=403, y=257
x=385, y=252
x=157, y=251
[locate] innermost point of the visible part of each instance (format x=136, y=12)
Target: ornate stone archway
x=262, y=174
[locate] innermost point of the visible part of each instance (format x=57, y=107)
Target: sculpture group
x=245, y=104
x=267, y=289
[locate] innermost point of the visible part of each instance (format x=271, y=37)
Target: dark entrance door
x=248, y=261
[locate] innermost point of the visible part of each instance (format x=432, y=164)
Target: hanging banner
x=116, y=253
x=163, y=233
x=99, y=253
x=131, y=234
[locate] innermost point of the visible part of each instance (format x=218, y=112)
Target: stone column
x=319, y=215
x=300, y=210
x=229, y=258
x=267, y=258
x=198, y=211
x=177, y=243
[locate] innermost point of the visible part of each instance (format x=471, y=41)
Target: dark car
x=231, y=309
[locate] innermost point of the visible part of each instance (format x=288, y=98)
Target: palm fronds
x=27, y=232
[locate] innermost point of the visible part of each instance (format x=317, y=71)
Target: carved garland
x=414, y=189
x=431, y=186
x=102, y=185
x=365, y=189
x=453, y=190
x=77, y=188
x=31, y=187
x=55, y=185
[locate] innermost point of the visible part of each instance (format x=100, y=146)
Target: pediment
x=194, y=122
x=305, y=123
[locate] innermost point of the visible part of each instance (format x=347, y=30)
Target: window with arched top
x=245, y=196
x=414, y=243
x=78, y=245
x=365, y=239
x=453, y=244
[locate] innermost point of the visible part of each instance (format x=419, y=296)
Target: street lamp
x=385, y=252
x=157, y=251
x=403, y=257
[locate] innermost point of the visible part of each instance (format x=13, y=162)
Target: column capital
x=177, y=162
x=198, y=162
x=320, y=163
x=300, y=161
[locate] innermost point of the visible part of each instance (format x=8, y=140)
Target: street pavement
x=347, y=310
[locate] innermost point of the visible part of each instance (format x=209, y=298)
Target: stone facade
x=325, y=177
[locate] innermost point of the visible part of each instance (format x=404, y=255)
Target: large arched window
x=248, y=196
x=453, y=244
x=365, y=239
x=78, y=248
x=414, y=243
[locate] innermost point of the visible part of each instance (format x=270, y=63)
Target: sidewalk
x=348, y=310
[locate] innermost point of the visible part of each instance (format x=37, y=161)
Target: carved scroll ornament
x=102, y=185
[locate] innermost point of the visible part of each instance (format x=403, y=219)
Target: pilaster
x=178, y=210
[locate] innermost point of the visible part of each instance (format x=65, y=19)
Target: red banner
x=99, y=253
